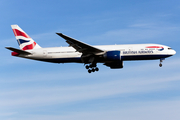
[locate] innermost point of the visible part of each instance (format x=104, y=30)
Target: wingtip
x=59, y=33
x=7, y=47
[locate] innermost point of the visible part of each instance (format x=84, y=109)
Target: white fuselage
x=127, y=52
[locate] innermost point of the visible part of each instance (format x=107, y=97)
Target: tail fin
x=25, y=42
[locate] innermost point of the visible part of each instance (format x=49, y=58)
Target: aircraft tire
x=97, y=69
x=87, y=67
x=93, y=70
x=89, y=71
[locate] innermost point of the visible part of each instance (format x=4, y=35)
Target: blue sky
x=42, y=91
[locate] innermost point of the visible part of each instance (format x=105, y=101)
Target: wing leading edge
x=80, y=46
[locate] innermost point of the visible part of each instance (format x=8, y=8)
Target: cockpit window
x=169, y=48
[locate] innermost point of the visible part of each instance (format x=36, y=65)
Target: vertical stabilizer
x=25, y=42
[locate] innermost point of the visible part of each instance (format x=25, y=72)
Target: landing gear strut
x=92, y=68
x=161, y=60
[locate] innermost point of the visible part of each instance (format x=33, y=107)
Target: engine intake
x=112, y=55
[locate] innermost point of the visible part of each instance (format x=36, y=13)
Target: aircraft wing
x=80, y=46
x=18, y=51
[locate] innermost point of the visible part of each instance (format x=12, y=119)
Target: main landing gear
x=92, y=68
x=161, y=60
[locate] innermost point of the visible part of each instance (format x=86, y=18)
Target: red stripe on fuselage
x=19, y=33
x=29, y=47
x=154, y=47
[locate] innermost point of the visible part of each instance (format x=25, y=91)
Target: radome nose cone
x=174, y=52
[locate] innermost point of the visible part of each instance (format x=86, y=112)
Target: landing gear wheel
x=90, y=66
x=87, y=67
x=97, y=69
x=93, y=70
x=89, y=71
x=161, y=60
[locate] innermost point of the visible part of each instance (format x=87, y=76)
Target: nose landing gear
x=161, y=60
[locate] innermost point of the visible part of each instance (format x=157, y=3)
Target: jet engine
x=112, y=55
x=115, y=65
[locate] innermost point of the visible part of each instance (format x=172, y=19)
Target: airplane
x=78, y=52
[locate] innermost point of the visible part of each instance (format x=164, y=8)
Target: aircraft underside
x=123, y=58
x=92, y=66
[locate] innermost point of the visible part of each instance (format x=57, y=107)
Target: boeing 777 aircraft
x=79, y=52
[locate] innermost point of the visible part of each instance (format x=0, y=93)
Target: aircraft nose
x=172, y=52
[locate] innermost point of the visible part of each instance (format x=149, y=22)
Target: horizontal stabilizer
x=18, y=51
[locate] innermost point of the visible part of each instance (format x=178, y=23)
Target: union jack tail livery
x=25, y=42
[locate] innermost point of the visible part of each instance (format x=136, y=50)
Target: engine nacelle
x=112, y=55
x=115, y=65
